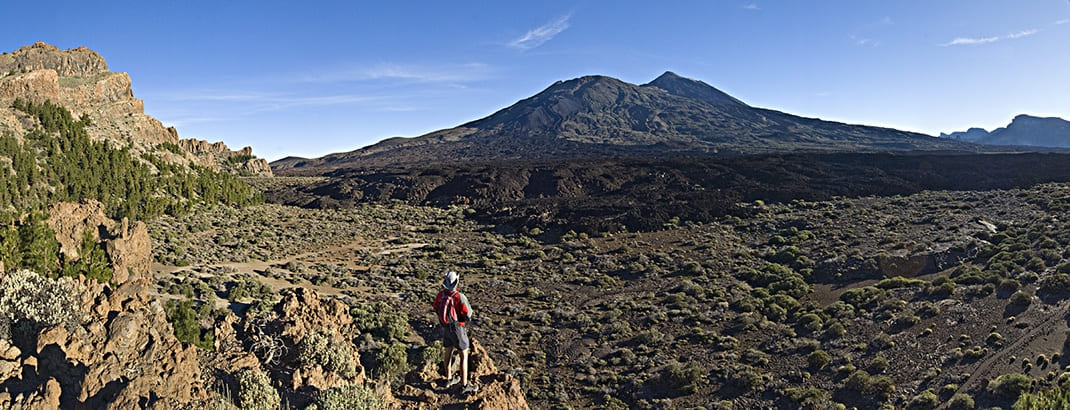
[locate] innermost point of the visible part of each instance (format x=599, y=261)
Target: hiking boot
x=470, y=388
x=453, y=382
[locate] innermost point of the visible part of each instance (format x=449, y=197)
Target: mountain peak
x=685, y=87
x=667, y=76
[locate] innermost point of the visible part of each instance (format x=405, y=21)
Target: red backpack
x=447, y=308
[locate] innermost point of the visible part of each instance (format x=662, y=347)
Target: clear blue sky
x=309, y=78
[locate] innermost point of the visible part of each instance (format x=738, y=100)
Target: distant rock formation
x=971, y=135
x=1023, y=131
x=1032, y=131
x=77, y=62
x=241, y=162
x=79, y=80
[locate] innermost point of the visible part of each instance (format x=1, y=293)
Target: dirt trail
x=1054, y=320
x=380, y=247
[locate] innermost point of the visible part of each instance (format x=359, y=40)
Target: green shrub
x=352, y=397
x=778, y=279
x=835, y=331
x=857, y=381
x=960, y=401
x=321, y=348
x=901, y=282
x=1010, y=385
x=878, y=365
x=925, y=400
x=248, y=288
x=1056, y=283
x=1054, y=398
x=811, y=322
x=1009, y=285
x=381, y=320
x=93, y=262
x=1021, y=298
x=818, y=359
x=864, y=298
x=685, y=378
x=808, y=397
x=187, y=323
x=392, y=360
x=433, y=353
x=942, y=287
x=881, y=342
x=255, y=391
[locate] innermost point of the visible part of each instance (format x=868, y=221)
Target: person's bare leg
x=449, y=361
x=464, y=367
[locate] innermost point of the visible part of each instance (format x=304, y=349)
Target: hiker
x=453, y=312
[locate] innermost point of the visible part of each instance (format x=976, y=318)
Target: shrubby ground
x=938, y=297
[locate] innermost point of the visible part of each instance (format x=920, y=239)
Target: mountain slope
x=598, y=116
x=1031, y=131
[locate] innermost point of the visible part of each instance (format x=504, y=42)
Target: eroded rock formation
x=128, y=245
x=241, y=162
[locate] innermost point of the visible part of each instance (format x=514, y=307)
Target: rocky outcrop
x=118, y=352
x=271, y=342
x=497, y=390
x=218, y=155
x=123, y=355
x=35, y=85
x=128, y=246
x=79, y=80
x=80, y=61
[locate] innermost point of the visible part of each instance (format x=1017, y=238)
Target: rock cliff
x=79, y=79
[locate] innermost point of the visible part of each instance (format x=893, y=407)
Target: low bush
x=926, y=400
x=352, y=397
x=960, y=401
x=321, y=348
x=255, y=391
x=29, y=299
x=1021, y=298
x=1010, y=385
x=818, y=359
x=391, y=360
x=685, y=378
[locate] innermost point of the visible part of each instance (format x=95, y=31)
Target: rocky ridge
x=79, y=80
x=241, y=162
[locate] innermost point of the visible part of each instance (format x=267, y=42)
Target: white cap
x=450, y=280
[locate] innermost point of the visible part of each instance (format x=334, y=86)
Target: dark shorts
x=455, y=336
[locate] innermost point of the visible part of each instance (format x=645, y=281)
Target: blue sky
x=309, y=78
